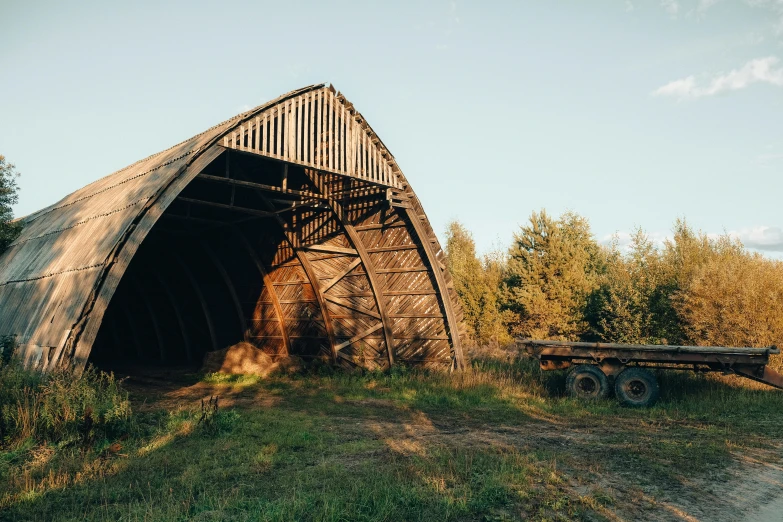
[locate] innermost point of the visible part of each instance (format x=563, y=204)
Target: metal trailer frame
x=612, y=358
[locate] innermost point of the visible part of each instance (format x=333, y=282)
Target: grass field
x=497, y=442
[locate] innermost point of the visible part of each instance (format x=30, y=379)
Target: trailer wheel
x=587, y=382
x=637, y=387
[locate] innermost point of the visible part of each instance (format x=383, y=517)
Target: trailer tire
x=637, y=387
x=587, y=382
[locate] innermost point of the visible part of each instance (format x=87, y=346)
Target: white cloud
x=768, y=160
x=671, y=6
x=453, y=17
x=768, y=239
x=764, y=239
x=760, y=70
x=704, y=5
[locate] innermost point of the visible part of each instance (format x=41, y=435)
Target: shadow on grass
x=497, y=441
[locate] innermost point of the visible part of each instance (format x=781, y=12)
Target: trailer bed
x=612, y=360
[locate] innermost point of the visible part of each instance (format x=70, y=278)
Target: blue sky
x=630, y=113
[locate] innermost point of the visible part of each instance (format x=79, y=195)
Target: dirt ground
x=749, y=489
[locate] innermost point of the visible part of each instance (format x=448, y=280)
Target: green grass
x=498, y=442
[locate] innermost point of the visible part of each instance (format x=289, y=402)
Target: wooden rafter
x=330, y=249
x=153, y=319
x=339, y=277
x=224, y=206
x=177, y=313
x=229, y=285
x=200, y=296
x=308, y=269
x=259, y=186
x=440, y=280
x=367, y=264
x=358, y=337
x=269, y=284
x=134, y=330
x=347, y=304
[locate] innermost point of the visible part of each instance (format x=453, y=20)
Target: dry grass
x=497, y=442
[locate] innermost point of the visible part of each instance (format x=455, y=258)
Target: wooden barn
x=289, y=226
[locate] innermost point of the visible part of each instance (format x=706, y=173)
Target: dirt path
x=751, y=489
x=755, y=491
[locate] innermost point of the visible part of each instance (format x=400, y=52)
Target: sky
x=630, y=113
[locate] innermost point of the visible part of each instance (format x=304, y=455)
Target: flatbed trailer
x=594, y=365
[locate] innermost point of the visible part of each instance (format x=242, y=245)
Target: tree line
x=556, y=281
x=9, y=195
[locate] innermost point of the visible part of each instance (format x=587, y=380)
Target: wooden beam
x=336, y=279
x=320, y=158
x=260, y=186
x=359, y=336
x=330, y=249
x=153, y=317
x=410, y=292
x=437, y=269
x=268, y=283
x=134, y=331
x=367, y=263
x=416, y=316
x=351, y=306
x=223, y=206
x=229, y=285
x=308, y=269
x=178, y=313
x=379, y=226
x=392, y=248
x=402, y=270
x=193, y=219
x=200, y=296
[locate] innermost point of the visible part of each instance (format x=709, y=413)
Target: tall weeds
x=58, y=408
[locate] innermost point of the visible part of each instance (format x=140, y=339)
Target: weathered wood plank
x=339, y=277
x=330, y=249
x=359, y=336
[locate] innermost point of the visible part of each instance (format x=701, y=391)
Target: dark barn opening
x=197, y=282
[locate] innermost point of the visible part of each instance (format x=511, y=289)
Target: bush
x=59, y=408
x=215, y=421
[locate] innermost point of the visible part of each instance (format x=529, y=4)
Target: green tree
x=9, y=195
x=553, y=266
x=477, y=285
x=735, y=298
x=723, y=295
x=682, y=259
x=697, y=289
x=625, y=307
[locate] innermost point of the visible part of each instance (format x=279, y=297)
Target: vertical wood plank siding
x=331, y=137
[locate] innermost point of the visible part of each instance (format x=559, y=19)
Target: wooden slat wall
x=344, y=143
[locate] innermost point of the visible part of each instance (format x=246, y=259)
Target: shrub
x=59, y=408
x=215, y=421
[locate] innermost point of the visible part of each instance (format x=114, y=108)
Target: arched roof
x=58, y=278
